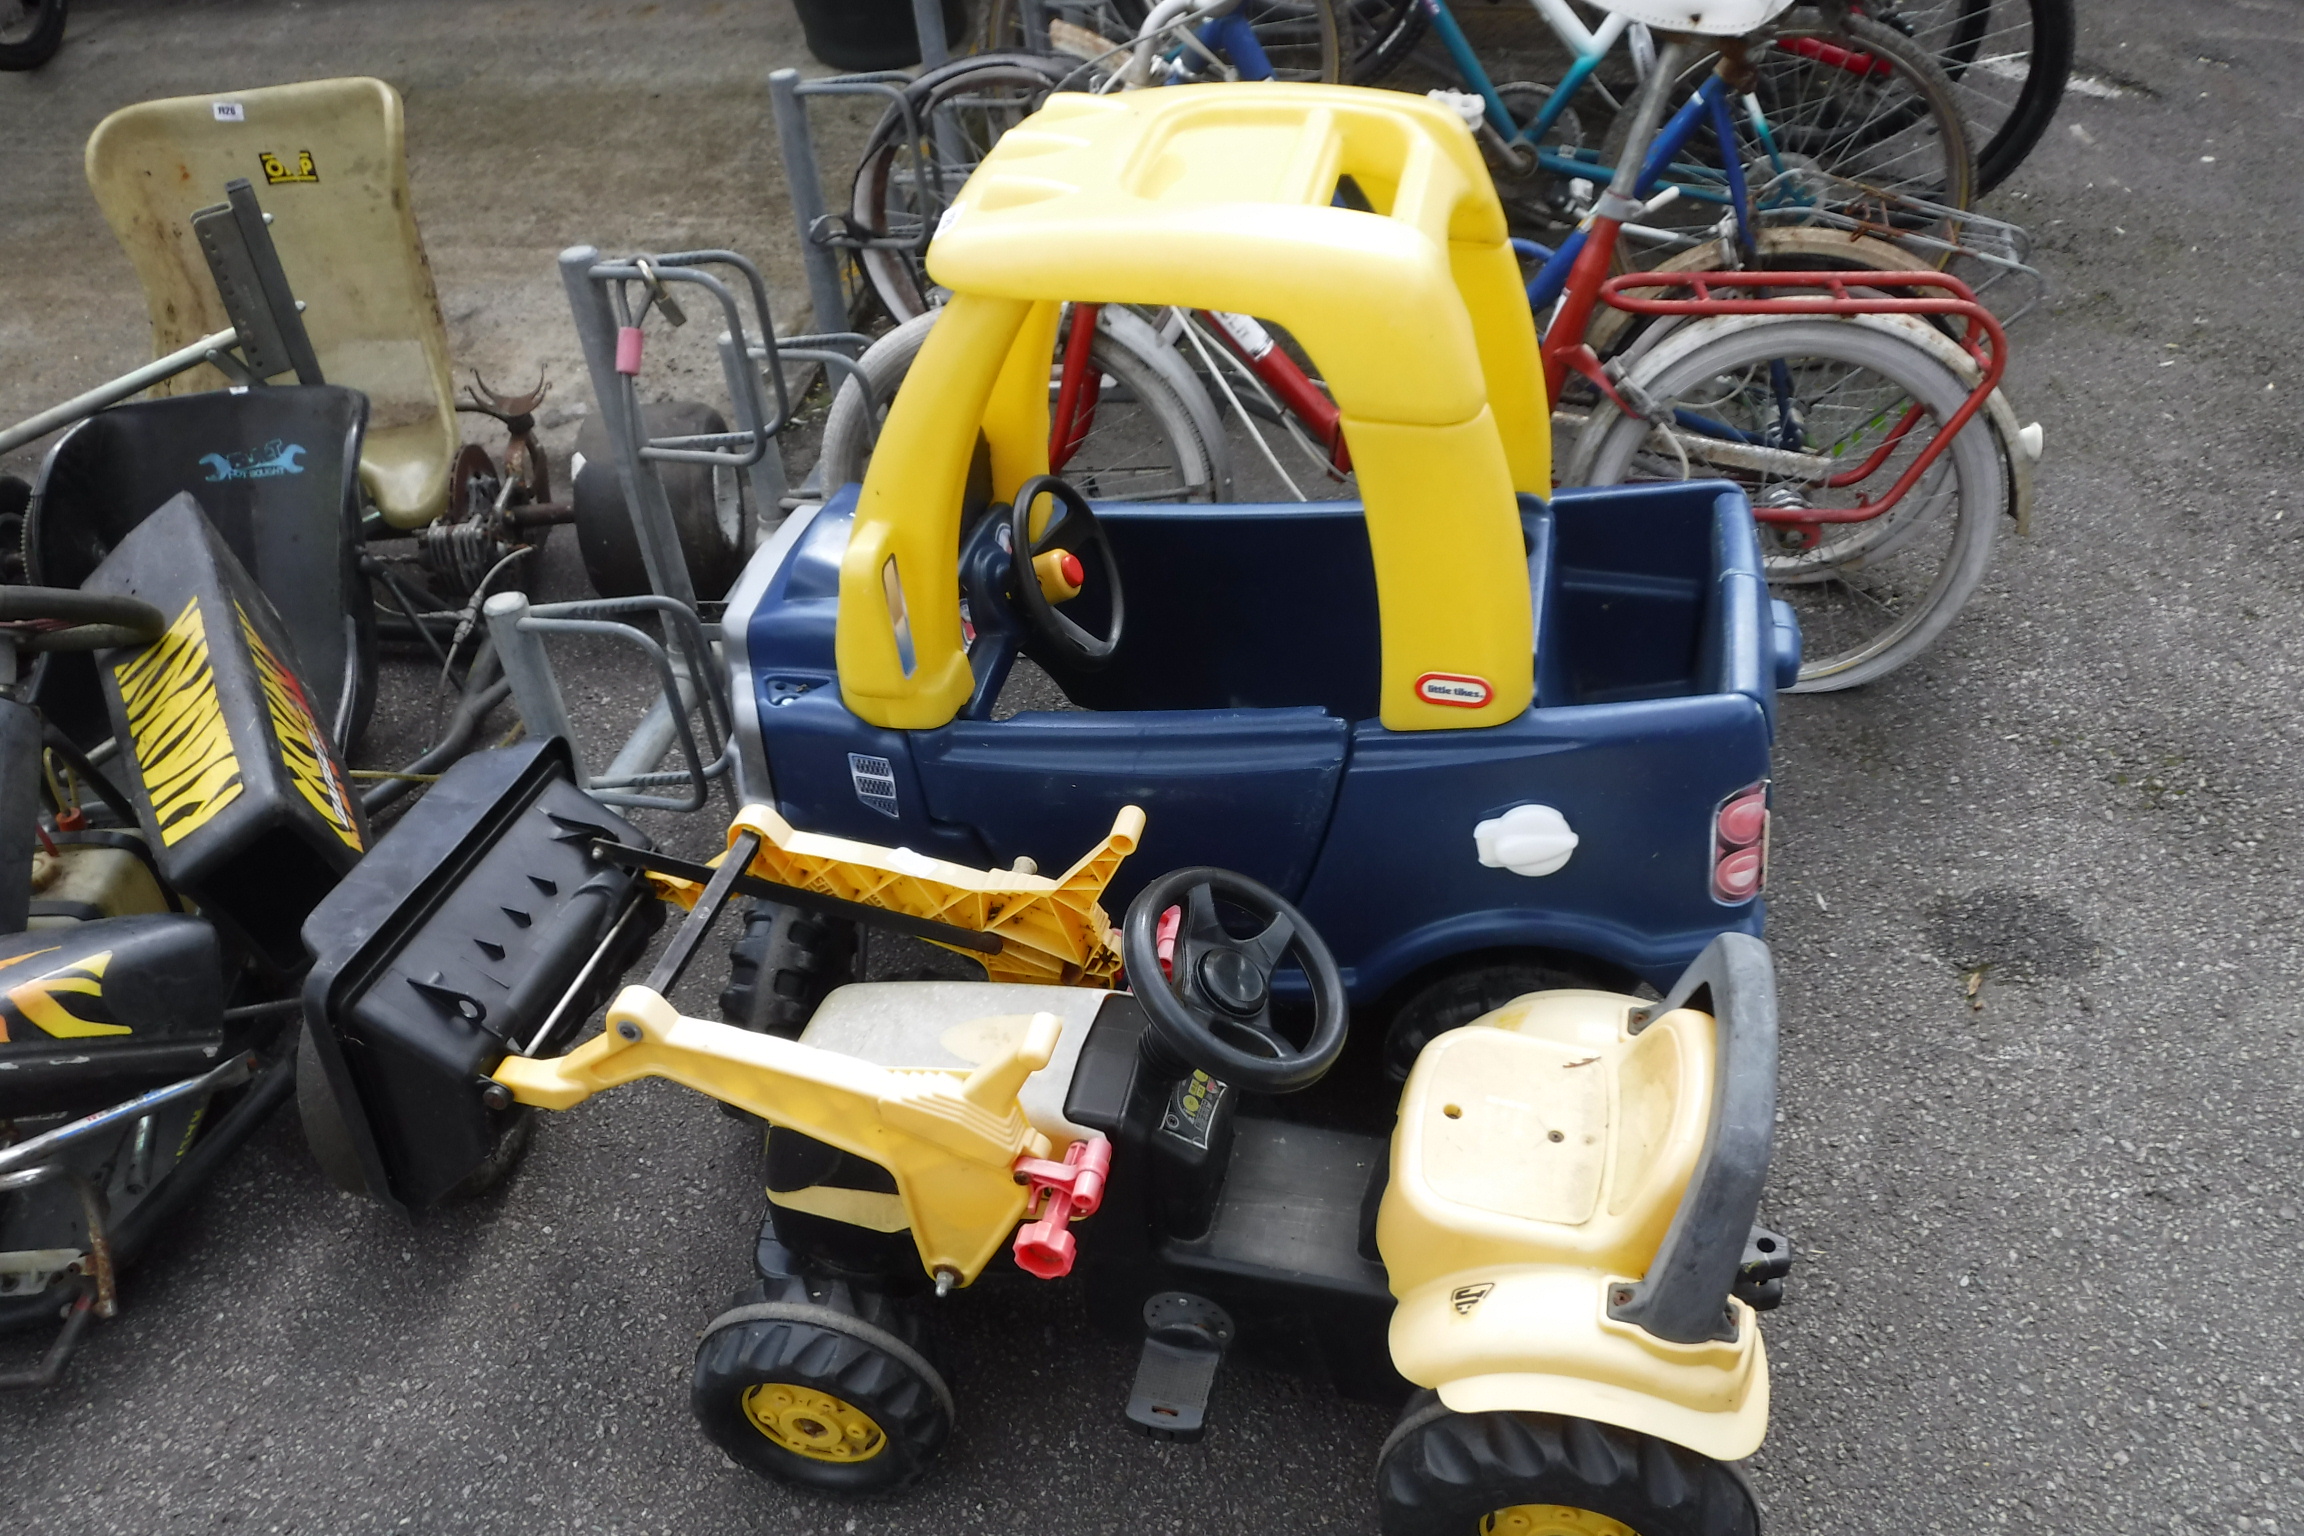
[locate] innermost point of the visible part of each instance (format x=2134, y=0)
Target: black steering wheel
x=66, y=619
x=1072, y=531
x=1213, y=1010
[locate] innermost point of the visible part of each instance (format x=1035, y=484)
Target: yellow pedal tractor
x=1552, y=1255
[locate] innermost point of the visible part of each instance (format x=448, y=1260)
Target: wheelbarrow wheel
x=329, y=1134
x=707, y=507
x=326, y=1131
x=1444, y=1473
x=510, y=1151
x=811, y=1392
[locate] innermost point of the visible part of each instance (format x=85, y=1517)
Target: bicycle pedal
x=1185, y=1337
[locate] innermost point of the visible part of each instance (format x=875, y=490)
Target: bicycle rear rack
x=1982, y=338
x=1806, y=198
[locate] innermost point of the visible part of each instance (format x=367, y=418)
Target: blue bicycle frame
x=1709, y=104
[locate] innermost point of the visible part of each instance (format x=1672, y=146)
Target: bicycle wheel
x=919, y=156
x=1782, y=405
x=1868, y=106
x=1381, y=33
x=1149, y=442
x=2008, y=61
x=1302, y=39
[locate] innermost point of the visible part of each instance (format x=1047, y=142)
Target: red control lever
x=1074, y=1188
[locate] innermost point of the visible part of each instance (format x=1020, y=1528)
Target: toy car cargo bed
x=1240, y=710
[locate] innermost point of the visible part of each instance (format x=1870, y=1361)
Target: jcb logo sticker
x=304, y=752
x=45, y=1000
x=277, y=170
x=183, y=747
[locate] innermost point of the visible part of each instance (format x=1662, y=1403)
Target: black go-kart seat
x=277, y=472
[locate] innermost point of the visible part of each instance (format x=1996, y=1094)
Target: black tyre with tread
x=782, y=965
x=829, y=1339
x=1458, y=996
x=1442, y=1473
x=707, y=507
x=34, y=41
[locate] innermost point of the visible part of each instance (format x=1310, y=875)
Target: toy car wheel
x=707, y=507
x=1456, y=998
x=782, y=966
x=1444, y=1473
x=816, y=1395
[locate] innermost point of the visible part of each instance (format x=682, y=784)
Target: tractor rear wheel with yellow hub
x=1443, y=1473
x=809, y=1390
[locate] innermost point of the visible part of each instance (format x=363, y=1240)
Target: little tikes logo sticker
x=1454, y=688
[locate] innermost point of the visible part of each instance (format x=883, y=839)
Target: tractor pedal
x=1185, y=1337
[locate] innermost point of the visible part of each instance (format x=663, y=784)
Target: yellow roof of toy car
x=1224, y=198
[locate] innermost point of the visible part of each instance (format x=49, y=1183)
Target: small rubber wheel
x=326, y=1131
x=816, y=1395
x=30, y=38
x=707, y=507
x=782, y=966
x=510, y=1151
x=1443, y=1473
x=1457, y=997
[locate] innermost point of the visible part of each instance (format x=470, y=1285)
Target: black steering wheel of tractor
x=1213, y=1009
x=66, y=619
x=1071, y=532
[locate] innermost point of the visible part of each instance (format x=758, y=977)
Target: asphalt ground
x=2034, y=914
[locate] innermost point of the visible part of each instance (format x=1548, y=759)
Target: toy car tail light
x=1740, y=845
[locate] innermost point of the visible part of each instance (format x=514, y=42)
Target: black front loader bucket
x=481, y=925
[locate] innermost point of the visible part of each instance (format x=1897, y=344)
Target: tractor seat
x=961, y=1024
x=1545, y=1134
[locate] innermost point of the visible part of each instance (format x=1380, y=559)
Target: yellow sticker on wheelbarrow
x=304, y=752
x=43, y=1000
x=277, y=170
x=183, y=747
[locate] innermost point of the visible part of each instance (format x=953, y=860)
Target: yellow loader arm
x=951, y=1139
x=1052, y=931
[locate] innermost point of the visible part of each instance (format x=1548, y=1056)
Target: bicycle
x=1860, y=101
x=2006, y=60
x=1814, y=398
x=1809, y=389
x=1288, y=39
